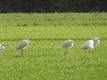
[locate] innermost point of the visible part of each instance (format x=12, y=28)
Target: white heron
x=22, y=45
x=91, y=43
x=67, y=44
x=2, y=47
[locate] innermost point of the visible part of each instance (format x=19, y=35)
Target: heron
x=22, y=45
x=67, y=44
x=2, y=47
x=91, y=43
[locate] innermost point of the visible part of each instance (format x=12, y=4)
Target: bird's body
x=2, y=47
x=22, y=45
x=88, y=44
x=91, y=43
x=67, y=44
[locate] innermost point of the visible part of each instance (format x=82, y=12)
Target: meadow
x=44, y=58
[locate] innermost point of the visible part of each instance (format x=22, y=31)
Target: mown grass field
x=44, y=58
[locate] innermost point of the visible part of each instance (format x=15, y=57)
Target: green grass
x=44, y=58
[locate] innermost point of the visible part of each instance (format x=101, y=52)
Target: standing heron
x=67, y=44
x=2, y=47
x=22, y=45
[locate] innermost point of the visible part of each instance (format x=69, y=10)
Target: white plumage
x=67, y=44
x=91, y=43
x=88, y=44
x=22, y=45
x=2, y=47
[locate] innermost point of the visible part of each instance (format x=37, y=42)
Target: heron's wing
x=66, y=44
x=21, y=44
x=87, y=44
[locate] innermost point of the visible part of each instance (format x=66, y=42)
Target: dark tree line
x=52, y=5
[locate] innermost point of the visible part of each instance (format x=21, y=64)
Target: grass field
x=44, y=58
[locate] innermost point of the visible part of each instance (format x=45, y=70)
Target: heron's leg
x=22, y=52
x=85, y=51
x=65, y=51
x=93, y=51
x=88, y=51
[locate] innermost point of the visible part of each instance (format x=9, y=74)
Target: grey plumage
x=67, y=44
x=22, y=45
